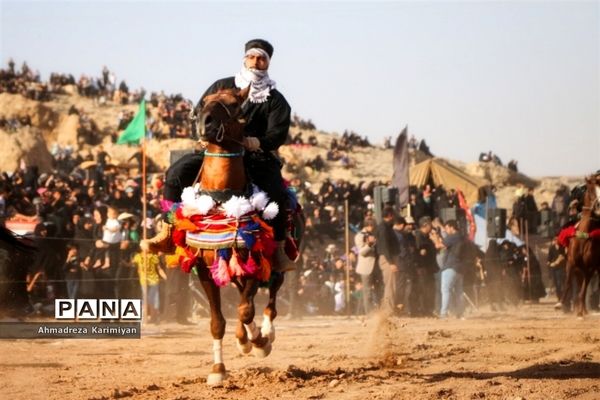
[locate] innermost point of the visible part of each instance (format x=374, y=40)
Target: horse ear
x=243, y=93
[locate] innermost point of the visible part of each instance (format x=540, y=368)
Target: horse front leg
x=246, y=311
x=217, y=327
x=270, y=312
x=587, y=277
x=565, y=300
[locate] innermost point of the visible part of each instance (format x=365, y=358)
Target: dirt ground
x=529, y=353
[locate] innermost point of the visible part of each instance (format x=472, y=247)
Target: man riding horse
x=267, y=116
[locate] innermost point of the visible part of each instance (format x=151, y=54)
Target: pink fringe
x=220, y=272
x=250, y=267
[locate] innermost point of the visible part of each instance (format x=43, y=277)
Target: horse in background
x=583, y=251
x=220, y=230
x=16, y=253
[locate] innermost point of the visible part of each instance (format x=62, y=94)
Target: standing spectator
x=112, y=237
x=531, y=276
x=99, y=264
x=72, y=271
x=426, y=269
x=404, y=264
x=452, y=270
x=557, y=261
x=533, y=216
x=150, y=272
x=388, y=257
x=367, y=256
x=560, y=206
x=84, y=239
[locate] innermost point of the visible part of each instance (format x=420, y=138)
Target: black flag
x=400, y=179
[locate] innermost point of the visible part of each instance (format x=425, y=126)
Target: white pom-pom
x=204, y=204
x=259, y=200
x=271, y=211
x=188, y=195
x=237, y=206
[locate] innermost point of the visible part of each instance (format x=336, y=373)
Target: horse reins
x=219, y=138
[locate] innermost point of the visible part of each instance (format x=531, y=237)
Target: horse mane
x=228, y=95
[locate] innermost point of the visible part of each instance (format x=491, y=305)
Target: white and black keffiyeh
x=259, y=81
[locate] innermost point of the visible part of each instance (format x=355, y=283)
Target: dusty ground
x=530, y=353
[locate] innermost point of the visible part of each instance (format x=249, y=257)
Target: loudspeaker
x=384, y=196
x=455, y=213
x=175, y=155
x=389, y=196
x=496, y=223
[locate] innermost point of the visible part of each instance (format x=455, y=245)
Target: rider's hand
x=252, y=143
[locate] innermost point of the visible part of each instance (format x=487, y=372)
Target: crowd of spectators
x=167, y=115
x=25, y=82
x=88, y=222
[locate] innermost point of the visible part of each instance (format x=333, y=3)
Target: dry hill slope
x=51, y=123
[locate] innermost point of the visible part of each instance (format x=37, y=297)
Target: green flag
x=136, y=128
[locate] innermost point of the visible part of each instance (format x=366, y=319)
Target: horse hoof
x=215, y=379
x=270, y=333
x=262, y=352
x=580, y=318
x=243, y=348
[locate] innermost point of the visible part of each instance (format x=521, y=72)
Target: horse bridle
x=594, y=204
x=221, y=130
x=219, y=138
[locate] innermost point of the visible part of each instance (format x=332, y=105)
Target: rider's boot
x=162, y=242
x=281, y=262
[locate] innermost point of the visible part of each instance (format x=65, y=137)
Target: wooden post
x=348, y=309
x=528, y=264
x=144, y=234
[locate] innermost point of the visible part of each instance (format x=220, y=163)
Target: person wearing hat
x=365, y=241
x=267, y=116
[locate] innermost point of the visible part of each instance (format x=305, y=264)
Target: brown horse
x=583, y=252
x=223, y=173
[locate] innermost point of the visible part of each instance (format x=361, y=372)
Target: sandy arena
x=529, y=353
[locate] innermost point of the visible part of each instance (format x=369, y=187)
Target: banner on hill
x=136, y=129
x=401, y=179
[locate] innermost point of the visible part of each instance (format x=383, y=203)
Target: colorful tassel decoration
x=250, y=266
x=220, y=272
x=235, y=268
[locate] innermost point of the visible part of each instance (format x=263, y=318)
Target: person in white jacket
x=367, y=256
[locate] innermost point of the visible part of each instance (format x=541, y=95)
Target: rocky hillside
x=51, y=123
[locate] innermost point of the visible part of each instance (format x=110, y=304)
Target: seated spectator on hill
x=317, y=163
x=297, y=139
x=424, y=148
x=485, y=157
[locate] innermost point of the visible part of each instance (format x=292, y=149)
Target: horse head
x=592, y=194
x=220, y=121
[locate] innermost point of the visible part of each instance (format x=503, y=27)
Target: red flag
x=462, y=203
